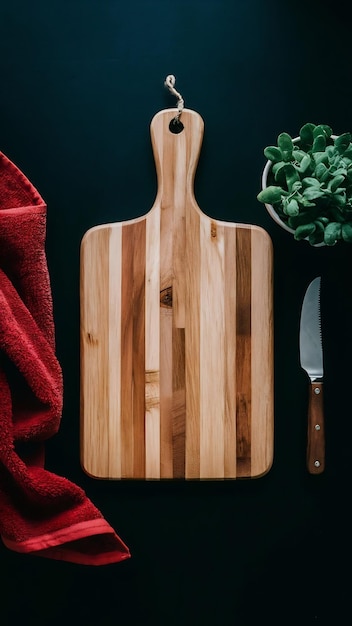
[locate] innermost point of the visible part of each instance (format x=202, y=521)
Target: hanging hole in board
x=176, y=126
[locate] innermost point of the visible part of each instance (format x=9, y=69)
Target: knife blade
x=311, y=359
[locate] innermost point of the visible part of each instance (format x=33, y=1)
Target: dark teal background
x=80, y=82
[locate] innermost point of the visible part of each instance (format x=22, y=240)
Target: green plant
x=309, y=184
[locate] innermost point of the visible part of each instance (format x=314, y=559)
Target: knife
x=311, y=358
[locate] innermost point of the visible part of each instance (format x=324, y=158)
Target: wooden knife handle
x=316, y=431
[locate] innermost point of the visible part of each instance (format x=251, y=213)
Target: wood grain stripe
x=230, y=354
x=153, y=338
x=166, y=394
x=127, y=431
x=262, y=388
x=178, y=403
x=179, y=231
x=95, y=351
x=114, y=347
x=243, y=352
x=166, y=212
x=138, y=348
x=179, y=307
x=212, y=349
x=192, y=345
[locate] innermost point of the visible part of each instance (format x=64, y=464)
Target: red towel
x=40, y=513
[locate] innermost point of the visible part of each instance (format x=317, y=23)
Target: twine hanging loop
x=170, y=84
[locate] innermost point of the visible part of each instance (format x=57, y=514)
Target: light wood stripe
x=164, y=204
x=179, y=207
x=94, y=347
x=243, y=352
x=212, y=349
x=114, y=347
x=192, y=345
x=152, y=347
x=262, y=387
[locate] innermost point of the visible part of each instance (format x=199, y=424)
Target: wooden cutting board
x=176, y=333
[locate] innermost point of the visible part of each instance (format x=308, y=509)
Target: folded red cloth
x=40, y=513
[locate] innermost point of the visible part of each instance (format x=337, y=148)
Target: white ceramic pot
x=271, y=209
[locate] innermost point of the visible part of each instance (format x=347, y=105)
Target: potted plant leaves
x=307, y=184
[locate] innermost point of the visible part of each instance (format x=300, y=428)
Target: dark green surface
x=80, y=82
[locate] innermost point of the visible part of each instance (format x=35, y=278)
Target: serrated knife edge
x=310, y=337
x=311, y=358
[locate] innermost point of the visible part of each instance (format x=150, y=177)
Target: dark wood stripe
x=243, y=352
x=138, y=348
x=178, y=402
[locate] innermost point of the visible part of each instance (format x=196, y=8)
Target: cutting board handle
x=176, y=156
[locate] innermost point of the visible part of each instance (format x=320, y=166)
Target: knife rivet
x=317, y=390
x=317, y=426
x=317, y=463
